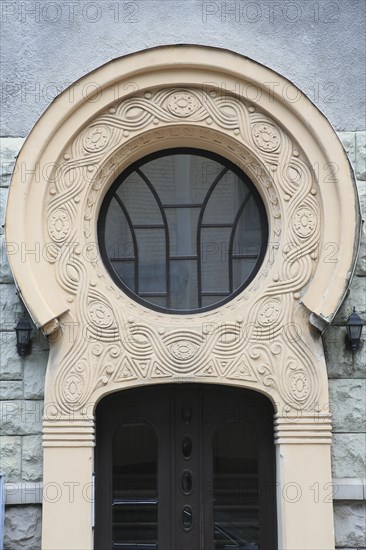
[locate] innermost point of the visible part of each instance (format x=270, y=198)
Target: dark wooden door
x=185, y=467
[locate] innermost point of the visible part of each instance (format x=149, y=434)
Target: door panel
x=185, y=467
x=135, y=486
x=235, y=485
x=186, y=462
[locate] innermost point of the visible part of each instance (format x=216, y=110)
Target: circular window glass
x=182, y=230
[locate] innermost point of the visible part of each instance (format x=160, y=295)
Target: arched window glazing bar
x=134, y=241
x=175, y=202
x=232, y=236
x=166, y=231
x=199, y=228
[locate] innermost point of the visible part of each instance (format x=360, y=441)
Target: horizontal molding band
x=68, y=430
x=65, y=443
x=303, y=428
x=309, y=440
x=29, y=492
x=74, y=424
x=306, y=429
x=73, y=433
x=302, y=418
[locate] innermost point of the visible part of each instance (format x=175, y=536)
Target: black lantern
x=23, y=330
x=354, y=329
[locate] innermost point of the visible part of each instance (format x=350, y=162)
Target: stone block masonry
x=21, y=392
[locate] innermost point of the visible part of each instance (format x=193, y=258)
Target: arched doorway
x=265, y=338
x=185, y=466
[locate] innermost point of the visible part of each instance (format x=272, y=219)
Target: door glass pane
x=135, y=496
x=235, y=487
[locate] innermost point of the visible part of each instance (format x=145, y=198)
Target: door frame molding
x=264, y=339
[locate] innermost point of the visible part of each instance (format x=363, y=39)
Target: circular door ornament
x=96, y=139
x=300, y=387
x=269, y=312
x=73, y=387
x=184, y=349
x=182, y=104
x=304, y=222
x=266, y=137
x=59, y=225
x=100, y=314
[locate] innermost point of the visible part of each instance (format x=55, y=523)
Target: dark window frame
x=140, y=296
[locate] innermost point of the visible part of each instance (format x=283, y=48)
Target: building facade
x=280, y=334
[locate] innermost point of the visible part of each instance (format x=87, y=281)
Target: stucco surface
x=48, y=45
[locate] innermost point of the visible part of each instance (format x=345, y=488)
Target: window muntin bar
x=134, y=241
x=196, y=209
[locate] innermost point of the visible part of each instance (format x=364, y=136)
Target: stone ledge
x=28, y=492
x=349, y=489
x=24, y=492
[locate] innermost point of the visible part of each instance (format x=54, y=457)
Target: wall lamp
x=23, y=331
x=354, y=327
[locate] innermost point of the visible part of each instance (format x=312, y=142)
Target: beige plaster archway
x=264, y=339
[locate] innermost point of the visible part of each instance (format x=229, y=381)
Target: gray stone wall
x=23, y=527
x=347, y=386
x=21, y=395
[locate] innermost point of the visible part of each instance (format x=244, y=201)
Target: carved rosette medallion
x=183, y=350
x=59, y=225
x=100, y=314
x=300, y=386
x=269, y=312
x=73, y=388
x=96, y=138
x=304, y=222
x=182, y=104
x=266, y=137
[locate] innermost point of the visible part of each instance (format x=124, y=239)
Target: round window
x=182, y=230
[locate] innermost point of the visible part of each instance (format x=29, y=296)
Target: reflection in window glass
x=135, y=495
x=182, y=230
x=235, y=487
